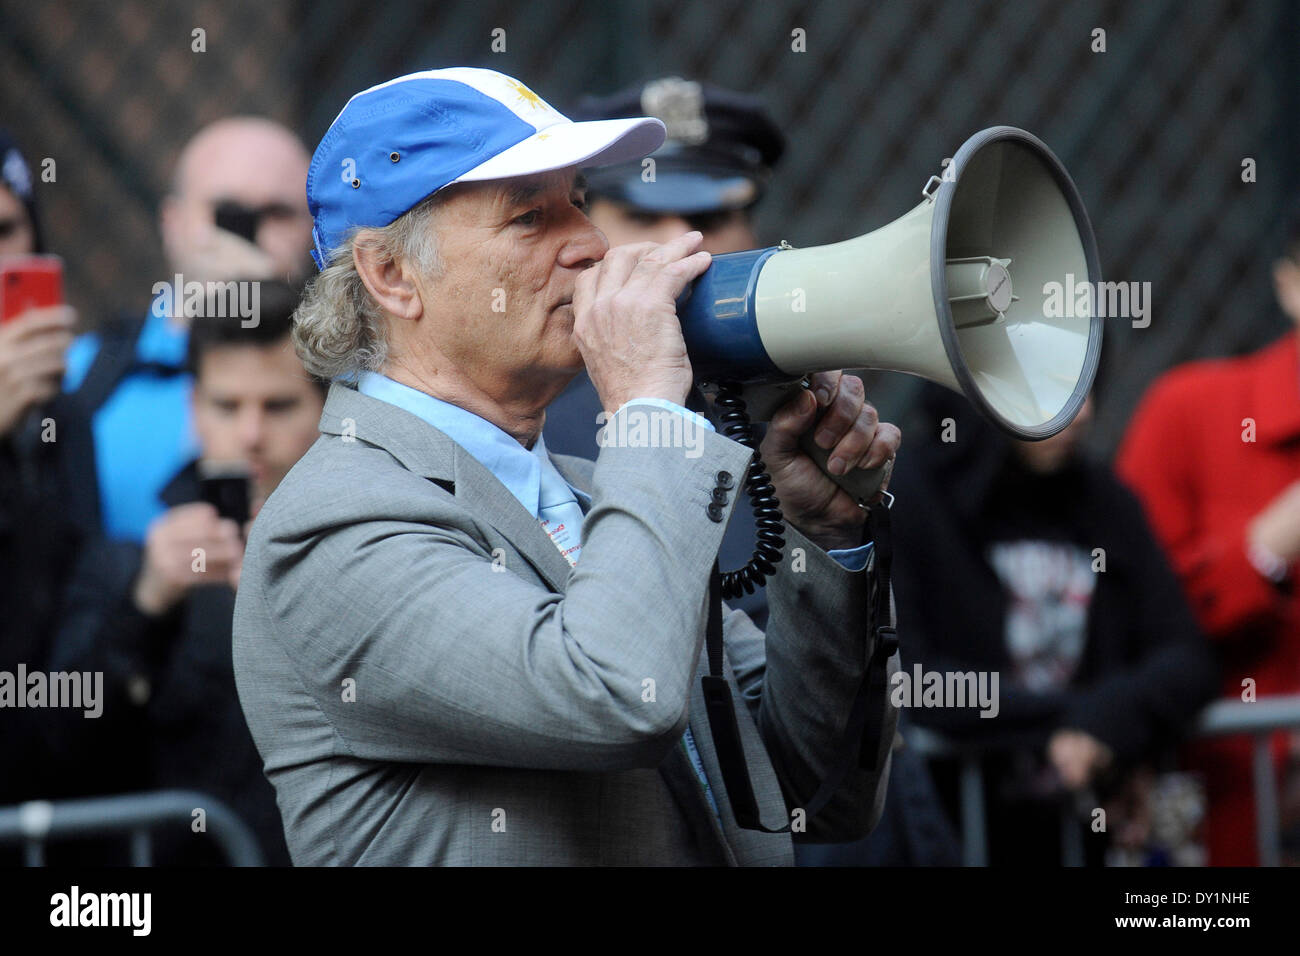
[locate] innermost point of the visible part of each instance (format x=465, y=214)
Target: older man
x=452, y=647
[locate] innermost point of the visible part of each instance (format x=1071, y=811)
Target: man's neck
x=519, y=417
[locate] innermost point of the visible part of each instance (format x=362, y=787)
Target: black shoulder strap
x=861, y=744
x=117, y=342
x=881, y=624
x=74, y=413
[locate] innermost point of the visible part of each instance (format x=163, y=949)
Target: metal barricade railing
x=35, y=823
x=1259, y=719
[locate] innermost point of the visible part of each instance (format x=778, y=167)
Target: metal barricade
x=35, y=823
x=1259, y=719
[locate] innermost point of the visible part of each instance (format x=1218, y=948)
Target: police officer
x=708, y=176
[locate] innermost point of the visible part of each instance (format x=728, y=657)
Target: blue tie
x=560, y=514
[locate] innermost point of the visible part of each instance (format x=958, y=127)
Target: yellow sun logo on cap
x=527, y=95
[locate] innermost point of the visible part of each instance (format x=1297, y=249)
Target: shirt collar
x=528, y=475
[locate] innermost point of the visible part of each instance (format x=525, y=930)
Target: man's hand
x=217, y=255
x=1277, y=527
x=847, y=426
x=32, y=347
x=1077, y=757
x=168, y=568
x=625, y=320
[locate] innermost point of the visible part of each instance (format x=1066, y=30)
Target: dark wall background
x=1154, y=129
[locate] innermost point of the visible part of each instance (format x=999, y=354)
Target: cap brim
x=591, y=143
x=676, y=191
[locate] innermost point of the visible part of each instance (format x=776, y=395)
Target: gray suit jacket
x=428, y=681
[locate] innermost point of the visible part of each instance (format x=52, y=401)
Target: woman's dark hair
x=16, y=176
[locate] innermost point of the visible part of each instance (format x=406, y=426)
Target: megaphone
x=955, y=291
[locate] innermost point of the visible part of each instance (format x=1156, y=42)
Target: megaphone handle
x=861, y=483
x=762, y=401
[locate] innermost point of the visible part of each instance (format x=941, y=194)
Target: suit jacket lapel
x=479, y=490
x=428, y=452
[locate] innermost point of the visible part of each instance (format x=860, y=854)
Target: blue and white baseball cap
x=397, y=143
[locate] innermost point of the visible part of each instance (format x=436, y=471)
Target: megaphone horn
x=953, y=291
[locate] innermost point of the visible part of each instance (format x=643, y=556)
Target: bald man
x=130, y=396
x=256, y=164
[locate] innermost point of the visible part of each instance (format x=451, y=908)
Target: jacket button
x=715, y=512
x=725, y=480
x=720, y=496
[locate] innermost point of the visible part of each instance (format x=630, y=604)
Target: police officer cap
x=720, y=151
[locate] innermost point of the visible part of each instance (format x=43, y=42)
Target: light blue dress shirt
x=530, y=475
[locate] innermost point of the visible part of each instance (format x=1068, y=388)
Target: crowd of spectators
x=1113, y=606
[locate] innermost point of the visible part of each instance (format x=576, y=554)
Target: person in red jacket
x=1213, y=452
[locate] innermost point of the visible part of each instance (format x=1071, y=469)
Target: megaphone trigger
x=762, y=400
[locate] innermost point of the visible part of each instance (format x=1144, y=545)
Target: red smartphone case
x=29, y=282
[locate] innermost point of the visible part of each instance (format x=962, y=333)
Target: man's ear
x=1286, y=285
x=169, y=225
x=390, y=282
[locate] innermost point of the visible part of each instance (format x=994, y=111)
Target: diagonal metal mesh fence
x=1154, y=128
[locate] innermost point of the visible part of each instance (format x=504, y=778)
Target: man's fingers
x=684, y=245
x=887, y=474
x=788, y=423
x=842, y=413
x=884, y=446
x=35, y=323
x=222, y=557
x=39, y=390
x=222, y=255
x=47, y=371
x=195, y=515
x=38, y=349
x=584, y=293
x=611, y=273
x=218, y=554
x=676, y=276
x=825, y=385
x=185, y=524
x=634, y=274
x=25, y=357
x=852, y=448
x=193, y=508
x=644, y=260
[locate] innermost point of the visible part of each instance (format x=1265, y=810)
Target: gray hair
x=338, y=329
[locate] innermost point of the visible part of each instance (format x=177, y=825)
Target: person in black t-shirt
x=1051, y=580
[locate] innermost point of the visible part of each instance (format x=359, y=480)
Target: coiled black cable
x=770, y=543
